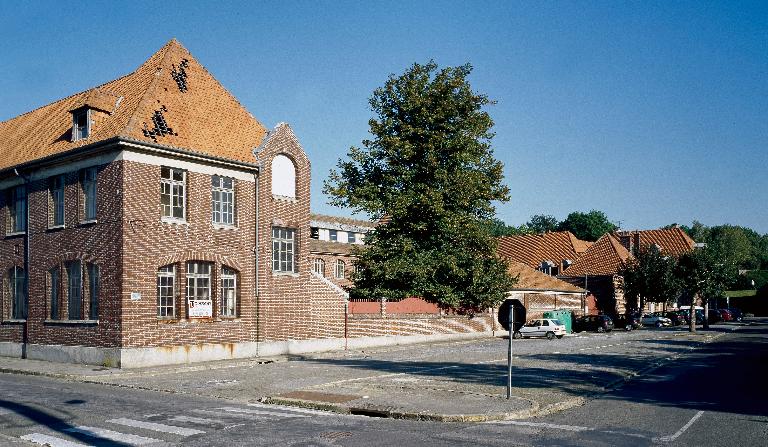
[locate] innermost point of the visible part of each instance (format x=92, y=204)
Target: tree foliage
x=430, y=169
x=650, y=277
x=741, y=246
x=541, y=223
x=704, y=272
x=588, y=226
x=497, y=227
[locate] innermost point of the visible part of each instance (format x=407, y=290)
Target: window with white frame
x=341, y=267
x=74, y=290
x=54, y=283
x=88, y=184
x=17, y=286
x=94, y=284
x=81, y=126
x=57, y=201
x=17, y=209
x=351, y=237
x=173, y=193
x=319, y=266
x=223, y=200
x=333, y=235
x=283, y=249
x=198, y=280
x=283, y=177
x=166, y=291
x=228, y=292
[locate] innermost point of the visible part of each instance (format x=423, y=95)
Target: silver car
x=655, y=320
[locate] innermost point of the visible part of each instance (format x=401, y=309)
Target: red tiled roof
x=205, y=118
x=533, y=249
x=334, y=248
x=605, y=257
x=530, y=279
x=672, y=241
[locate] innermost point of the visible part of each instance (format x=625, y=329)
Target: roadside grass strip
x=153, y=426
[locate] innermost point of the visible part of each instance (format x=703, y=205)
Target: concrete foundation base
x=174, y=355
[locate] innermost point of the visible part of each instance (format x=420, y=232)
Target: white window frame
x=81, y=132
x=166, y=282
x=228, y=292
x=351, y=237
x=89, y=186
x=333, y=235
x=57, y=188
x=222, y=200
x=198, y=280
x=176, y=192
x=283, y=250
x=283, y=171
x=340, y=268
x=319, y=266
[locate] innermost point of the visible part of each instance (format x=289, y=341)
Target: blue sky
x=653, y=112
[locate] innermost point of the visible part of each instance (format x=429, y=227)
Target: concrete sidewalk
x=453, y=381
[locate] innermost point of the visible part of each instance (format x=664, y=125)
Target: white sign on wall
x=200, y=308
x=135, y=296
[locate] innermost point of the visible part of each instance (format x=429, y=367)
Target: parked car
x=541, y=328
x=736, y=313
x=713, y=316
x=699, y=316
x=678, y=317
x=725, y=315
x=627, y=321
x=655, y=320
x=599, y=323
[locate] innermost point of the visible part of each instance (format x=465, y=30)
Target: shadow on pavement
x=56, y=424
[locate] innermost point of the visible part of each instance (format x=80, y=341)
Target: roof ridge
x=151, y=88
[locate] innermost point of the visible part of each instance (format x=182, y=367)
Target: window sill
x=221, y=226
x=14, y=321
x=173, y=220
x=56, y=227
x=226, y=318
x=72, y=322
x=16, y=233
x=88, y=222
x=289, y=274
x=284, y=198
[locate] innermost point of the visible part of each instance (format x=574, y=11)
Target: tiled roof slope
x=672, y=241
x=329, y=247
x=532, y=249
x=605, y=257
x=342, y=220
x=205, y=118
x=530, y=279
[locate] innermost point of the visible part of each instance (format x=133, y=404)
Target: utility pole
x=509, y=350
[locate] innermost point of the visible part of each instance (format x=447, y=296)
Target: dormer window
x=81, y=126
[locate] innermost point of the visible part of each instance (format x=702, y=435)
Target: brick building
x=153, y=220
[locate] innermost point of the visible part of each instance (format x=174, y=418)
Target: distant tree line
x=585, y=226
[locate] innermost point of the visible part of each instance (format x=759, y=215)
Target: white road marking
x=195, y=420
x=682, y=430
x=103, y=433
x=52, y=441
x=543, y=425
x=292, y=409
x=259, y=412
x=156, y=427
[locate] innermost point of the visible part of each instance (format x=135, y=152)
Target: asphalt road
x=714, y=395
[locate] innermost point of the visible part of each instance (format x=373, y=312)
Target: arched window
x=283, y=177
x=228, y=292
x=340, y=268
x=319, y=266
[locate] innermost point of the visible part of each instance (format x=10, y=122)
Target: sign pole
x=509, y=350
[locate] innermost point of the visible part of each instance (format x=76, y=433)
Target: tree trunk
x=706, y=313
x=692, y=315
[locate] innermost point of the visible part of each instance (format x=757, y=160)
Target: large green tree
x=541, y=223
x=650, y=277
x=704, y=276
x=430, y=169
x=587, y=226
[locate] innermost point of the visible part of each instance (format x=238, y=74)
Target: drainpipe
x=256, y=178
x=25, y=314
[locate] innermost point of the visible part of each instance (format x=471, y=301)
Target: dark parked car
x=725, y=315
x=599, y=323
x=627, y=321
x=713, y=316
x=677, y=316
x=736, y=313
x=686, y=315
